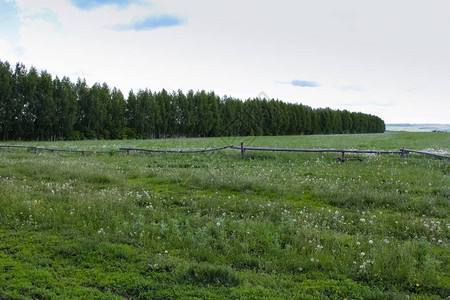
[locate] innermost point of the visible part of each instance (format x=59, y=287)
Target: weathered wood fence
x=128, y=150
x=341, y=151
x=37, y=149
x=402, y=152
x=243, y=149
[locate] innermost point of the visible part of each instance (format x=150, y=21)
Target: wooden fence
x=402, y=152
x=341, y=151
x=37, y=149
x=175, y=151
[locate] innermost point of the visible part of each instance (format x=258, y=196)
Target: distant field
x=418, y=127
x=379, y=141
x=218, y=225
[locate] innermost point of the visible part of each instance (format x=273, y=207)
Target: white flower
x=370, y=242
x=363, y=254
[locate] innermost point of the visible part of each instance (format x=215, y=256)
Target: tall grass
x=215, y=225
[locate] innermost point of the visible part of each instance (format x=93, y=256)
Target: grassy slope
x=215, y=225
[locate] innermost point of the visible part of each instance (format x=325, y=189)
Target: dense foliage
x=33, y=106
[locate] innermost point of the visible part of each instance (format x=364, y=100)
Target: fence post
x=242, y=149
x=343, y=156
x=402, y=154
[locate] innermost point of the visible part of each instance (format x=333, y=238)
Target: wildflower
x=363, y=254
x=370, y=242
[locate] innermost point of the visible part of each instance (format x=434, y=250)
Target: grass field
x=218, y=225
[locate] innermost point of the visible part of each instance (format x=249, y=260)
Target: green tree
x=97, y=114
x=214, y=122
x=7, y=114
x=118, y=106
x=131, y=115
x=165, y=122
x=146, y=124
x=203, y=114
x=65, y=99
x=183, y=114
x=347, y=122
x=33, y=106
x=83, y=117
x=106, y=110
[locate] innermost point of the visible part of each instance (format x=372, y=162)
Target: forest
x=36, y=106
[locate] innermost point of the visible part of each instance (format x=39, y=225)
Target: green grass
x=218, y=225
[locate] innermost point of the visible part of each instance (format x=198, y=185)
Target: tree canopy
x=34, y=106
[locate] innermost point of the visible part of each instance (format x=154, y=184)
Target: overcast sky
x=390, y=58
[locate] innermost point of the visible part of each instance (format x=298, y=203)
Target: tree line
x=35, y=106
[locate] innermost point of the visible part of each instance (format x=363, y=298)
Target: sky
x=386, y=58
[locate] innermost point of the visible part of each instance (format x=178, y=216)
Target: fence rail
x=427, y=153
x=342, y=158
x=402, y=152
x=175, y=151
x=37, y=149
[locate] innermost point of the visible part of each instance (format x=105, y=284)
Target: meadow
x=218, y=226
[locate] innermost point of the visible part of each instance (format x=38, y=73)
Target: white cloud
x=367, y=56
